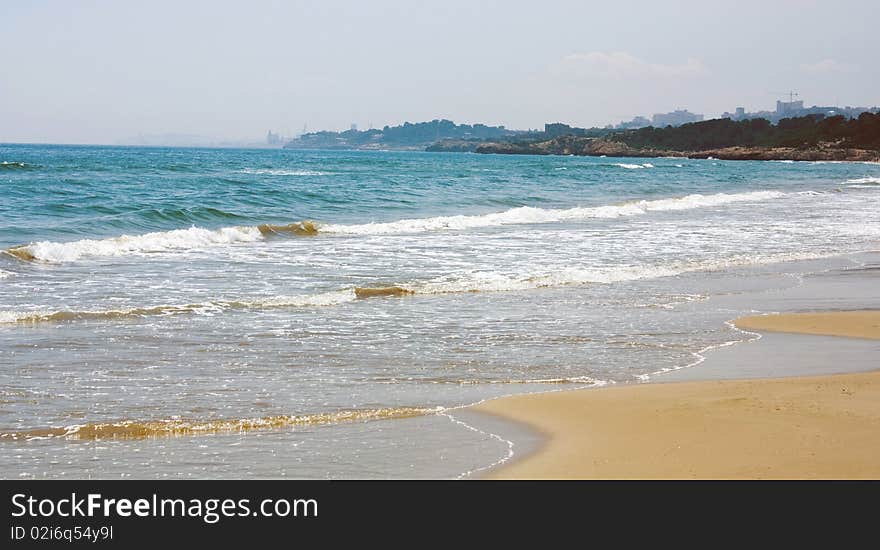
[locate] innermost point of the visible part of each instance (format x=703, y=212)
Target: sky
x=78, y=71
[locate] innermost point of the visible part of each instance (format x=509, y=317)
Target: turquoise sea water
x=168, y=312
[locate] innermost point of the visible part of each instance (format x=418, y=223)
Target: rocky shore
x=570, y=145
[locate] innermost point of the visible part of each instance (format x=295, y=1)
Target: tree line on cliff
x=807, y=131
x=407, y=134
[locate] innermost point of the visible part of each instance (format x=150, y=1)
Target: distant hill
x=407, y=136
x=813, y=137
x=523, y=138
x=862, y=132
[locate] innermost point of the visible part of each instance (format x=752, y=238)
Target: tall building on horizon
x=675, y=118
x=792, y=109
x=786, y=107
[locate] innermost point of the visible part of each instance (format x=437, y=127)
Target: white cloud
x=621, y=65
x=826, y=66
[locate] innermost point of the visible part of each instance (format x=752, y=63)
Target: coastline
x=597, y=147
x=801, y=427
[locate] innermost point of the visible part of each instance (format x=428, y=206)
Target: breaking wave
x=371, y=292
x=633, y=166
x=203, y=308
x=199, y=238
x=864, y=181
x=132, y=429
x=299, y=228
x=274, y=172
x=161, y=241
x=498, y=282
x=531, y=215
x=476, y=282
x=7, y=165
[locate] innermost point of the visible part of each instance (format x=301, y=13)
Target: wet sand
x=852, y=324
x=802, y=427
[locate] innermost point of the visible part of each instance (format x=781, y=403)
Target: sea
x=233, y=313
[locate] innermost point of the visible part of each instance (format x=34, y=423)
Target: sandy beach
x=825, y=427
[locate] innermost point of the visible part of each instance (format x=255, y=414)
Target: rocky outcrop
x=512, y=148
x=454, y=146
x=582, y=146
x=789, y=153
x=601, y=147
x=571, y=145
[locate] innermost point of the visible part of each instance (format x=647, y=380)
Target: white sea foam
x=276, y=172
x=4, y=274
x=460, y=283
x=178, y=239
x=531, y=215
x=196, y=238
x=501, y=282
x=868, y=180
x=7, y=317
x=323, y=299
x=633, y=166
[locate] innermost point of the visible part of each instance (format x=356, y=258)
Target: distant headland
x=823, y=133
x=812, y=137
x=406, y=137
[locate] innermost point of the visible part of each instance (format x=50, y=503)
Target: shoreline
x=799, y=427
x=597, y=147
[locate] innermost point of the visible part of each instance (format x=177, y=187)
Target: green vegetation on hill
x=811, y=137
x=405, y=136
x=862, y=132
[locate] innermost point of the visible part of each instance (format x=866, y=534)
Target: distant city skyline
x=274, y=138
x=105, y=72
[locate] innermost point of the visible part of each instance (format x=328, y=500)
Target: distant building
x=792, y=109
x=634, y=124
x=273, y=139
x=354, y=127
x=786, y=107
x=661, y=120
x=675, y=118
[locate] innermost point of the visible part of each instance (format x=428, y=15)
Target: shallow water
x=166, y=312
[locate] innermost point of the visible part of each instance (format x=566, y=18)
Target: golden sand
x=801, y=428
x=854, y=324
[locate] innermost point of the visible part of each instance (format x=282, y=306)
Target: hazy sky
x=101, y=71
